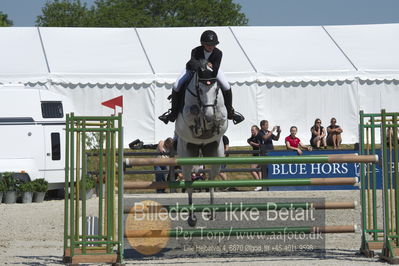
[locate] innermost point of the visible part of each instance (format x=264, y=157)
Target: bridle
x=198, y=93
x=200, y=129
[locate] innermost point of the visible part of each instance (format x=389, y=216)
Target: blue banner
x=316, y=170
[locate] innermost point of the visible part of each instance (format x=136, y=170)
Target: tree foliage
x=142, y=13
x=4, y=21
x=64, y=13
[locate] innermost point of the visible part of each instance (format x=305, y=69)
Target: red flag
x=118, y=101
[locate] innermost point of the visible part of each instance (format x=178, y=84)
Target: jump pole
x=266, y=206
x=239, y=231
x=242, y=183
x=332, y=158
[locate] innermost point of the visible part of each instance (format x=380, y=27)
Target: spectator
x=294, y=143
x=318, y=135
x=255, y=141
x=267, y=136
x=334, y=134
x=165, y=147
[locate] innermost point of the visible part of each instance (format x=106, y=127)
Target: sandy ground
x=32, y=234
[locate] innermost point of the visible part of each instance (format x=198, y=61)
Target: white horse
x=200, y=127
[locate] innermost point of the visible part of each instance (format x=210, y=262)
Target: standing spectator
x=165, y=147
x=267, y=136
x=318, y=135
x=255, y=141
x=334, y=134
x=294, y=143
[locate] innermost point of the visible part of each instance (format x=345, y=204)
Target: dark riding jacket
x=198, y=53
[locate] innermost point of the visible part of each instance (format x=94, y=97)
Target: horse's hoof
x=212, y=216
x=192, y=220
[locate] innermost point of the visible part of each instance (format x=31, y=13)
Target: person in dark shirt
x=318, y=135
x=255, y=141
x=206, y=52
x=334, y=134
x=267, y=136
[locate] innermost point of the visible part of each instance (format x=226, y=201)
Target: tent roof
x=250, y=54
x=22, y=57
x=294, y=53
x=373, y=49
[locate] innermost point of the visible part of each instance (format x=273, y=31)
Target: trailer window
x=55, y=147
x=52, y=110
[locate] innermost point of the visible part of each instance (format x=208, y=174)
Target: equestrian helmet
x=209, y=37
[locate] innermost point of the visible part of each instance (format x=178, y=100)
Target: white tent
x=287, y=75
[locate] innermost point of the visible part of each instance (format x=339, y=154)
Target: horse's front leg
x=192, y=219
x=215, y=169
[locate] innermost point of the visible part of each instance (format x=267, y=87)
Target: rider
x=213, y=55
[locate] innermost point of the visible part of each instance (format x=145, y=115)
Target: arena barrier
x=379, y=132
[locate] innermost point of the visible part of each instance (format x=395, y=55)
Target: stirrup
x=237, y=118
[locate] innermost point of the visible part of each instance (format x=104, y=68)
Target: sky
x=262, y=12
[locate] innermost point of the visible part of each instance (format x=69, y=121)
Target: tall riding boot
x=228, y=102
x=172, y=113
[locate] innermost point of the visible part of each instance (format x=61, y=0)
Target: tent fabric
x=373, y=49
x=22, y=57
x=147, y=55
x=293, y=54
x=287, y=75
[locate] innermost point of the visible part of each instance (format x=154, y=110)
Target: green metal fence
x=107, y=244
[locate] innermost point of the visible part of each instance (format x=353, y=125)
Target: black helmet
x=209, y=37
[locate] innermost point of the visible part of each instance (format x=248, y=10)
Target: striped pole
x=242, y=183
x=179, y=232
x=266, y=206
x=331, y=158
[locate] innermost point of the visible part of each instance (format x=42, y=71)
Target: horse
x=200, y=127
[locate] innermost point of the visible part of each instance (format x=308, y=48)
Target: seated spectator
x=334, y=134
x=318, y=135
x=165, y=147
x=294, y=143
x=255, y=141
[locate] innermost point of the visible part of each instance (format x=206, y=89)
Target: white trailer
x=32, y=133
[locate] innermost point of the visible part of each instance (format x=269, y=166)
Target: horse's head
x=207, y=93
x=204, y=107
